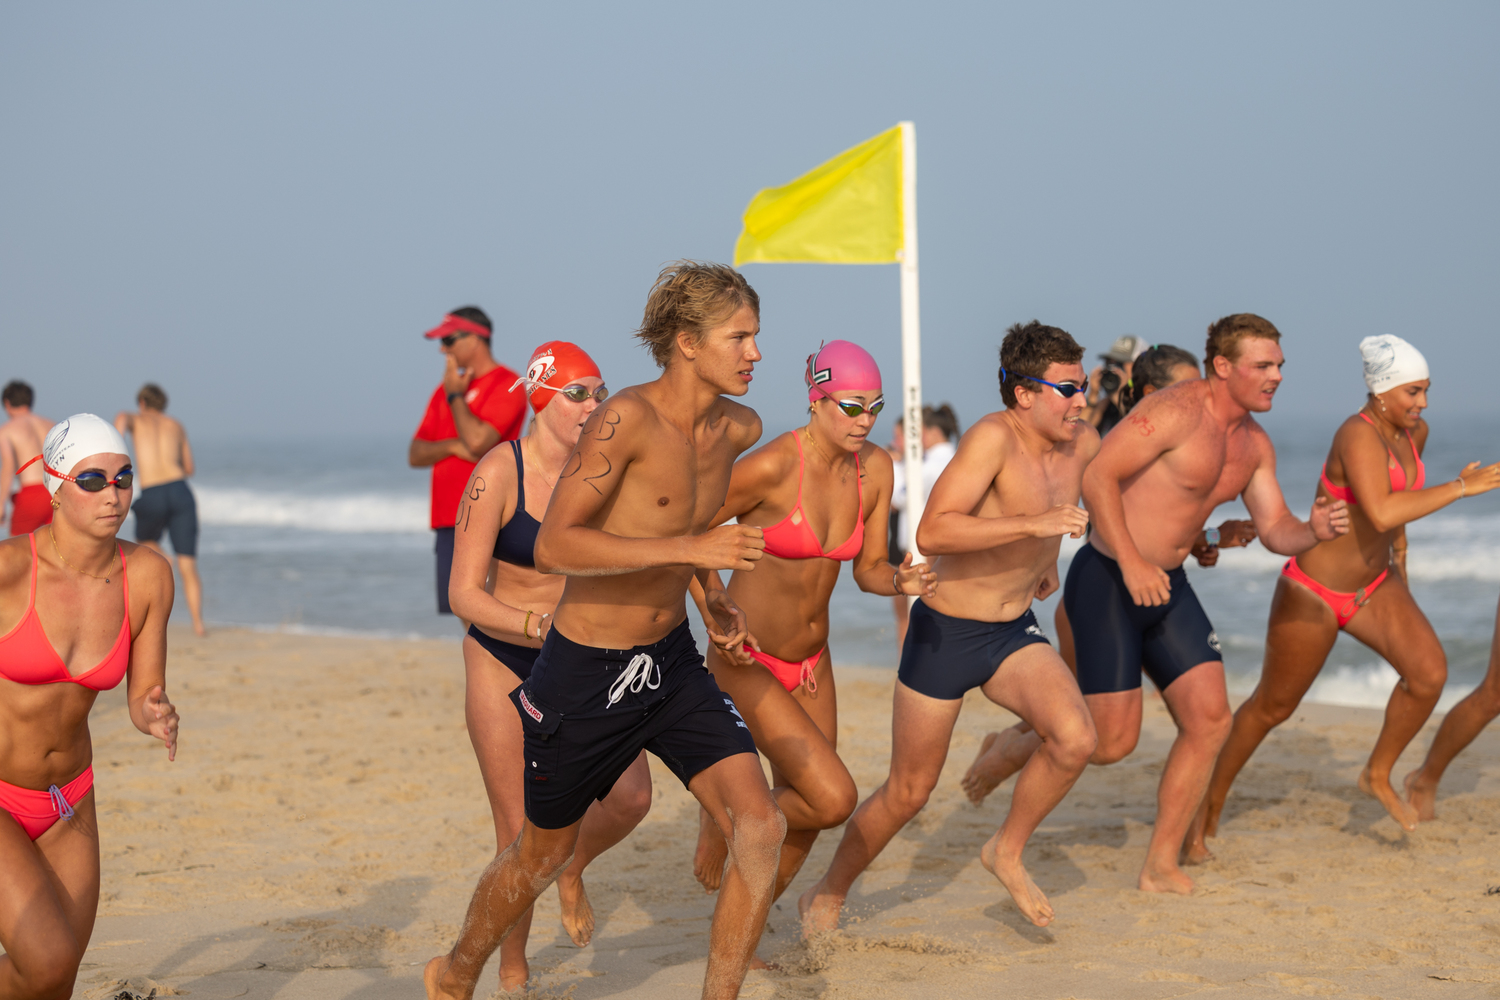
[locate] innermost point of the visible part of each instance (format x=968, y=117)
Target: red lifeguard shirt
x=489, y=400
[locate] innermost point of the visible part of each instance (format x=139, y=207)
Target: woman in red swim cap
x=496, y=588
x=822, y=493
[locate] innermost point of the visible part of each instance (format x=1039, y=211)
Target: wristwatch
x=1212, y=534
x=452, y=396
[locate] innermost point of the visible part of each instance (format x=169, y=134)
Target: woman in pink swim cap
x=822, y=493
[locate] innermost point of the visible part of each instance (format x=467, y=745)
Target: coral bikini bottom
x=791, y=675
x=1345, y=606
x=37, y=811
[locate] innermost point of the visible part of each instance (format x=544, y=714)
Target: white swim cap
x=1391, y=361
x=72, y=440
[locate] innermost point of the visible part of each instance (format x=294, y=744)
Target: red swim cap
x=554, y=365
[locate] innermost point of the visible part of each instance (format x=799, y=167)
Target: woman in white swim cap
x=79, y=612
x=1356, y=583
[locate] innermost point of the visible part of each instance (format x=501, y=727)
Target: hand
x=1479, y=480
x=458, y=449
x=1094, y=387
x=1047, y=585
x=161, y=719
x=1236, y=534
x=1148, y=584
x=1329, y=520
x=918, y=576
x=454, y=378
x=729, y=546
x=1064, y=519
x=728, y=630
x=1206, y=554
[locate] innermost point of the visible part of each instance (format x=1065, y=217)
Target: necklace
x=843, y=472
x=550, y=485
x=65, y=558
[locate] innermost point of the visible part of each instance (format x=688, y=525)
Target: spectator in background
x=21, y=439
x=471, y=412
x=163, y=461
x=1108, y=381
x=939, y=432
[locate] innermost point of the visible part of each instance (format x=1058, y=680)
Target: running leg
x=1035, y=683
x=604, y=825
x=735, y=793
x=921, y=728
x=1394, y=627
x=1464, y=722
x=1299, y=636
x=48, y=897
x=192, y=589
x=1200, y=706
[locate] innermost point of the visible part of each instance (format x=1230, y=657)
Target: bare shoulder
x=623, y=417
x=776, y=459
x=147, y=568
x=15, y=560
x=1258, y=439
x=876, y=462
x=991, y=431
x=744, y=423
x=1419, y=434
x=1166, y=416
x=497, y=466
x=1088, y=442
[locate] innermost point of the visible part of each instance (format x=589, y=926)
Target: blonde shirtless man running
x=20, y=439
x=1179, y=454
x=163, y=461
x=995, y=522
x=618, y=672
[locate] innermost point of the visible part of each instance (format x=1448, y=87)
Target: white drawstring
x=60, y=802
x=634, y=677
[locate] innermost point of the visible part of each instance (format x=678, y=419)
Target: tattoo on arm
x=608, y=468
x=607, y=425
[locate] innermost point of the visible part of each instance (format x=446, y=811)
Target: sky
x=263, y=206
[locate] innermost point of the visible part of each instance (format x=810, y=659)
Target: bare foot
x=199, y=630
x=432, y=974
x=1032, y=903
x=1423, y=798
x=577, y=914
x=756, y=962
x=513, y=979
x=1000, y=755
x=1401, y=811
x=819, y=910
x=1164, y=878
x=712, y=852
x=1195, y=852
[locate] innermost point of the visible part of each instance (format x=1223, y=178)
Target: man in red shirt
x=471, y=412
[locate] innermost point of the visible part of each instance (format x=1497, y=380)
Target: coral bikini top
x=793, y=538
x=27, y=656
x=1398, y=474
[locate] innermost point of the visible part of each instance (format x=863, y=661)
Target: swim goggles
x=89, y=482
x=578, y=393
x=852, y=409
x=1067, y=390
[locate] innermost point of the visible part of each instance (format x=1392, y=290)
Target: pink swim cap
x=840, y=366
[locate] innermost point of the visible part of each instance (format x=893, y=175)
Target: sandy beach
x=324, y=824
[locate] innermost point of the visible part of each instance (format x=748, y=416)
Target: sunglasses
x=452, y=338
x=1067, y=390
x=579, y=394
x=850, y=408
x=94, y=482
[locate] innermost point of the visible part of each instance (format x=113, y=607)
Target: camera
x=1111, y=379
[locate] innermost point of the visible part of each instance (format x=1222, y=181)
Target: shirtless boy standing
x=995, y=522
x=163, y=461
x=619, y=670
x=20, y=440
x=1179, y=454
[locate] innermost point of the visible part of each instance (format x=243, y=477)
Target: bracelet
x=896, y=582
x=526, y=626
x=540, y=622
x=1463, y=488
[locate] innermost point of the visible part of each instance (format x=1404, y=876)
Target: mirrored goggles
x=578, y=393
x=854, y=408
x=94, y=482
x=1067, y=390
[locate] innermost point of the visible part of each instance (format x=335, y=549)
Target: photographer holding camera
x=1107, y=380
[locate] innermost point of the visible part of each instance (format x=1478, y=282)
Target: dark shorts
x=168, y=508
x=518, y=658
x=946, y=657
x=443, y=546
x=578, y=743
x=1115, y=638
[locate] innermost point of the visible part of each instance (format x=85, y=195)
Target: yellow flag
x=847, y=211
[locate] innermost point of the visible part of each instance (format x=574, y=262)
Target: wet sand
x=324, y=824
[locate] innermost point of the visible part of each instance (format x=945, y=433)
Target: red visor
x=456, y=324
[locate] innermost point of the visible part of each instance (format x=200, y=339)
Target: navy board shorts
x=946, y=657
x=587, y=713
x=1115, y=638
x=169, y=508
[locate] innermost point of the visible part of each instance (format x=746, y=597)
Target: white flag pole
x=911, y=341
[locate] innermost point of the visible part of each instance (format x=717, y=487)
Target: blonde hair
x=691, y=296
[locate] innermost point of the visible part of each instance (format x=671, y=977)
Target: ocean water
x=331, y=537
